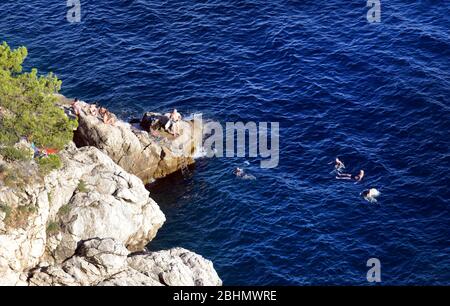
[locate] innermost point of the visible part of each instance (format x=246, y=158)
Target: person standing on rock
x=172, y=124
x=176, y=116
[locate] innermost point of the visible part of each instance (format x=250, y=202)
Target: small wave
x=200, y=152
x=193, y=116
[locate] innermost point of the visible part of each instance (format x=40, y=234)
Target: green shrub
x=49, y=163
x=29, y=104
x=16, y=175
x=53, y=228
x=82, y=187
x=50, y=197
x=6, y=209
x=12, y=179
x=64, y=210
x=17, y=217
x=14, y=154
x=27, y=209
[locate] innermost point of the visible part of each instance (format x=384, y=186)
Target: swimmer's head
x=239, y=172
x=365, y=193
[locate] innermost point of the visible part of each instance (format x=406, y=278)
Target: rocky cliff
x=80, y=224
x=106, y=262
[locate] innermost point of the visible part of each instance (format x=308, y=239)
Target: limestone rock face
x=176, y=267
x=110, y=203
x=23, y=242
x=90, y=196
x=106, y=262
x=93, y=261
x=147, y=156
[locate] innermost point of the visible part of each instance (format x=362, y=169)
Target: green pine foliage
x=49, y=163
x=15, y=154
x=28, y=105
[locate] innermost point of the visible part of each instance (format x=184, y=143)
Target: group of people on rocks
x=171, y=125
x=101, y=112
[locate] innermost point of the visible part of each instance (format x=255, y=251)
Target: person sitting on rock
x=93, y=110
x=36, y=151
x=102, y=111
x=76, y=107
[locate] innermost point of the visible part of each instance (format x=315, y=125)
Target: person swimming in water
x=239, y=172
x=370, y=195
x=346, y=176
x=339, y=165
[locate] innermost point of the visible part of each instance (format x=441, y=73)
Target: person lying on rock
x=109, y=118
x=106, y=116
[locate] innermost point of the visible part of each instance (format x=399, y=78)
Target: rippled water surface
x=377, y=95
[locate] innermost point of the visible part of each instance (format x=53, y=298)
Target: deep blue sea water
x=376, y=95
